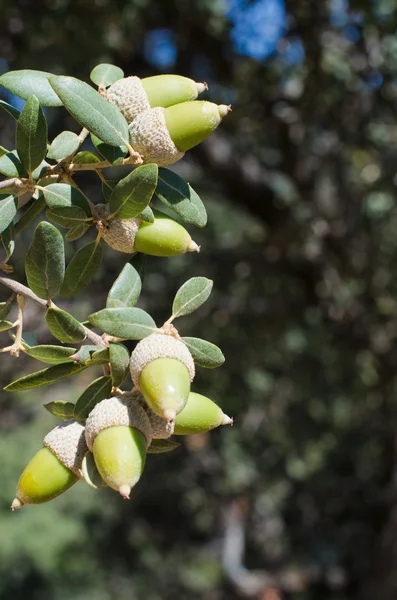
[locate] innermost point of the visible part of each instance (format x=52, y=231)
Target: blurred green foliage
x=302, y=246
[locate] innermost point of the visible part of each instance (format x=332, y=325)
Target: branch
x=21, y=289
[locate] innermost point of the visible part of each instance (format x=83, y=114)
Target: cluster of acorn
x=165, y=121
x=120, y=429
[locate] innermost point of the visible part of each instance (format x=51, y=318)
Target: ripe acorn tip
x=193, y=247
x=125, y=491
x=169, y=415
x=227, y=420
x=224, y=109
x=201, y=87
x=16, y=504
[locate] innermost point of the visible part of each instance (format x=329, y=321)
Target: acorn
x=118, y=434
x=162, y=369
x=133, y=95
x=55, y=468
x=163, y=135
x=161, y=429
x=199, y=416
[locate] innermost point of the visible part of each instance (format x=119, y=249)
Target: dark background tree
x=298, y=499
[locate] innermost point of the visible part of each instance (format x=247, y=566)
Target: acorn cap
x=161, y=429
x=129, y=95
x=150, y=137
x=117, y=411
x=120, y=235
x=159, y=345
x=68, y=443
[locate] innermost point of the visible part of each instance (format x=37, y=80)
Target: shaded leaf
x=10, y=109
x=11, y=166
x=5, y=325
x=26, y=82
x=82, y=269
x=106, y=74
x=178, y=195
x=147, y=215
x=50, y=354
x=90, y=472
x=204, y=353
x=32, y=212
x=45, y=261
x=86, y=352
x=61, y=409
x=85, y=157
x=75, y=233
x=191, y=295
x=133, y=193
x=59, y=195
x=114, y=154
x=98, y=390
x=126, y=290
x=119, y=363
x=67, y=216
x=65, y=144
x=8, y=210
x=127, y=323
x=161, y=446
x=45, y=377
x=5, y=308
x=91, y=110
x=108, y=187
x=64, y=326
x=100, y=356
x=37, y=173
x=31, y=135
x=8, y=240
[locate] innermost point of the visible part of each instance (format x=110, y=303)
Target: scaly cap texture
x=68, y=443
x=117, y=411
x=150, y=137
x=129, y=96
x=159, y=345
x=161, y=429
x=118, y=234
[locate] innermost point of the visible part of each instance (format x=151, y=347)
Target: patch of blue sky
x=160, y=49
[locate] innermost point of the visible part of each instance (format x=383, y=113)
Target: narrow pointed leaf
x=82, y=269
x=147, y=215
x=38, y=172
x=161, y=446
x=64, y=326
x=91, y=110
x=11, y=166
x=86, y=354
x=204, y=353
x=60, y=195
x=119, y=363
x=101, y=356
x=98, y=390
x=8, y=240
x=8, y=210
x=133, y=193
x=114, y=154
x=26, y=82
x=67, y=216
x=10, y=109
x=52, y=355
x=106, y=74
x=65, y=144
x=45, y=261
x=178, y=195
x=45, y=377
x=127, y=323
x=31, y=136
x=5, y=308
x=126, y=289
x=5, y=325
x=61, y=409
x=191, y=295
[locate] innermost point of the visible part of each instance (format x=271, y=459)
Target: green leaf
x=32, y=212
x=75, y=233
x=147, y=215
x=106, y=74
x=45, y=377
x=3, y=151
x=31, y=136
x=67, y=216
x=8, y=210
x=64, y=326
x=24, y=83
x=133, y=193
x=45, y=261
x=126, y=290
x=38, y=172
x=100, y=356
x=86, y=354
x=65, y=144
x=177, y=194
x=119, y=363
x=61, y=409
x=11, y=166
x=10, y=109
x=161, y=446
x=59, y=195
x=91, y=110
x=52, y=355
x=191, y=295
x=85, y=157
x=127, y=323
x=98, y=390
x=8, y=240
x=82, y=269
x=114, y=154
x=5, y=308
x=204, y=353
x=5, y=325
x=90, y=472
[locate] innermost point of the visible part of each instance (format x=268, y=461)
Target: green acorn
x=55, y=468
x=164, y=237
x=199, y=416
x=162, y=368
x=133, y=95
x=161, y=429
x=163, y=135
x=118, y=434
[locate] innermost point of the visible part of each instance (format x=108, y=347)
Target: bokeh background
x=298, y=500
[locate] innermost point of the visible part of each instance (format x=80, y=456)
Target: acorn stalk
x=199, y=416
